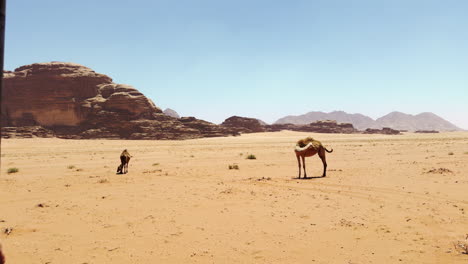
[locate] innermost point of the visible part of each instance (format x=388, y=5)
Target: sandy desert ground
x=386, y=199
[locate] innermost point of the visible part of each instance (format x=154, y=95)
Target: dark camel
x=124, y=160
x=307, y=148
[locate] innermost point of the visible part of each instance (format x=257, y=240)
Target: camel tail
x=329, y=151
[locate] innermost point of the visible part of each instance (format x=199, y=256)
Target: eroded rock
x=72, y=101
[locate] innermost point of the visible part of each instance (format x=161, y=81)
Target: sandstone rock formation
x=326, y=126
x=250, y=125
x=426, y=131
x=208, y=129
x=359, y=121
x=75, y=102
x=244, y=124
x=171, y=113
x=49, y=94
x=27, y=132
x=385, y=131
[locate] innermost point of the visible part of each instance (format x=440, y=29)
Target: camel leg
x=299, y=165
x=324, y=161
x=304, y=166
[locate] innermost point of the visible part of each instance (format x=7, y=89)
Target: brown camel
x=308, y=147
x=124, y=160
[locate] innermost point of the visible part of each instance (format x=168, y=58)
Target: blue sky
x=265, y=59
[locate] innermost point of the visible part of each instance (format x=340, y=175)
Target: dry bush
x=462, y=246
x=251, y=156
x=439, y=171
x=12, y=170
x=234, y=167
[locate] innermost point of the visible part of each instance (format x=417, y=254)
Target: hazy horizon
x=260, y=59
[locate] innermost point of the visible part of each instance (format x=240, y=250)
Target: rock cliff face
x=27, y=132
x=48, y=94
x=75, y=102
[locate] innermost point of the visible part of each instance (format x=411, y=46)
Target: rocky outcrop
x=244, y=124
x=330, y=126
x=75, y=102
x=385, y=131
x=426, y=131
x=359, y=121
x=326, y=126
x=49, y=94
x=171, y=113
x=250, y=125
x=208, y=129
x=27, y=132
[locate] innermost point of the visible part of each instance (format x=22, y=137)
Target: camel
x=307, y=148
x=124, y=160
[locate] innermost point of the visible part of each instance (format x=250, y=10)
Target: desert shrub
x=155, y=164
x=450, y=153
x=12, y=170
x=71, y=167
x=251, y=156
x=461, y=246
x=439, y=171
x=234, y=167
x=103, y=181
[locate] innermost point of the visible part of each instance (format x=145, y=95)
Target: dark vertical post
x=2, y=47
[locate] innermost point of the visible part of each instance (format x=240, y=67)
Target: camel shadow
x=309, y=178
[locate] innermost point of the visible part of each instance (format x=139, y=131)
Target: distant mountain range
x=395, y=120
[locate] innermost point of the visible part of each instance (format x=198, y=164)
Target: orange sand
x=180, y=203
